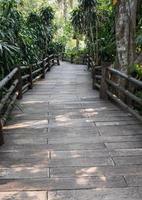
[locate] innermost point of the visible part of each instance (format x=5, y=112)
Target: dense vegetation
x=24, y=38
x=113, y=32
x=30, y=30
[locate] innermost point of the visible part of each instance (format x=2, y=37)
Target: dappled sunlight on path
x=67, y=144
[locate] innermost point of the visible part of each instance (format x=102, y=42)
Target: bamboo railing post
x=83, y=60
x=48, y=64
x=1, y=124
x=87, y=59
x=89, y=63
x=62, y=56
x=58, y=61
x=104, y=85
x=93, y=78
x=19, y=85
x=130, y=88
x=43, y=68
x=1, y=133
x=30, y=77
x=53, y=61
x=72, y=58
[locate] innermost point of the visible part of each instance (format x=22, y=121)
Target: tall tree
x=84, y=20
x=125, y=33
x=66, y=6
x=65, y=9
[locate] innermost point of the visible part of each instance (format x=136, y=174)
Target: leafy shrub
x=76, y=55
x=136, y=71
x=56, y=48
x=24, y=40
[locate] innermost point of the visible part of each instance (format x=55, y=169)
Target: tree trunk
x=71, y=3
x=125, y=39
x=65, y=8
x=125, y=33
x=77, y=43
x=92, y=41
x=97, y=42
x=132, y=27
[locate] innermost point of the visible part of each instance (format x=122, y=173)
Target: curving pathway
x=67, y=144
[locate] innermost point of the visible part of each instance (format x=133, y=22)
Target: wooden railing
x=117, y=86
x=96, y=73
x=17, y=82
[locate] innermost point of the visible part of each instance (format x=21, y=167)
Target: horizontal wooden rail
x=9, y=108
x=36, y=71
x=117, y=86
x=24, y=67
x=124, y=105
x=7, y=96
x=98, y=67
x=25, y=86
x=37, y=78
x=98, y=77
x=126, y=92
x=131, y=79
x=8, y=78
x=17, y=82
x=25, y=76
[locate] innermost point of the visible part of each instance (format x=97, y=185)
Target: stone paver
x=67, y=144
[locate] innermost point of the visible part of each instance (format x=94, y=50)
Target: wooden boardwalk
x=70, y=145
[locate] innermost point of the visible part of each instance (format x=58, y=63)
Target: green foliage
x=139, y=70
x=63, y=36
x=136, y=71
x=8, y=56
x=139, y=27
x=47, y=15
x=84, y=22
x=139, y=94
x=75, y=54
x=56, y=48
x=78, y=20
x=95, y=20
x=78, y=53
x=139, y=40
x=28, y=42
x=10, y=23
x=28, y=31
x=107, y=35
x=23, y=39
x=87, y=5
x=139, y=32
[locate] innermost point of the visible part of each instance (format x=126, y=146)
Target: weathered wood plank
x=96, y=171
x=23, y=195
x=98, y=194
x=62, y=183
x=66, y=138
